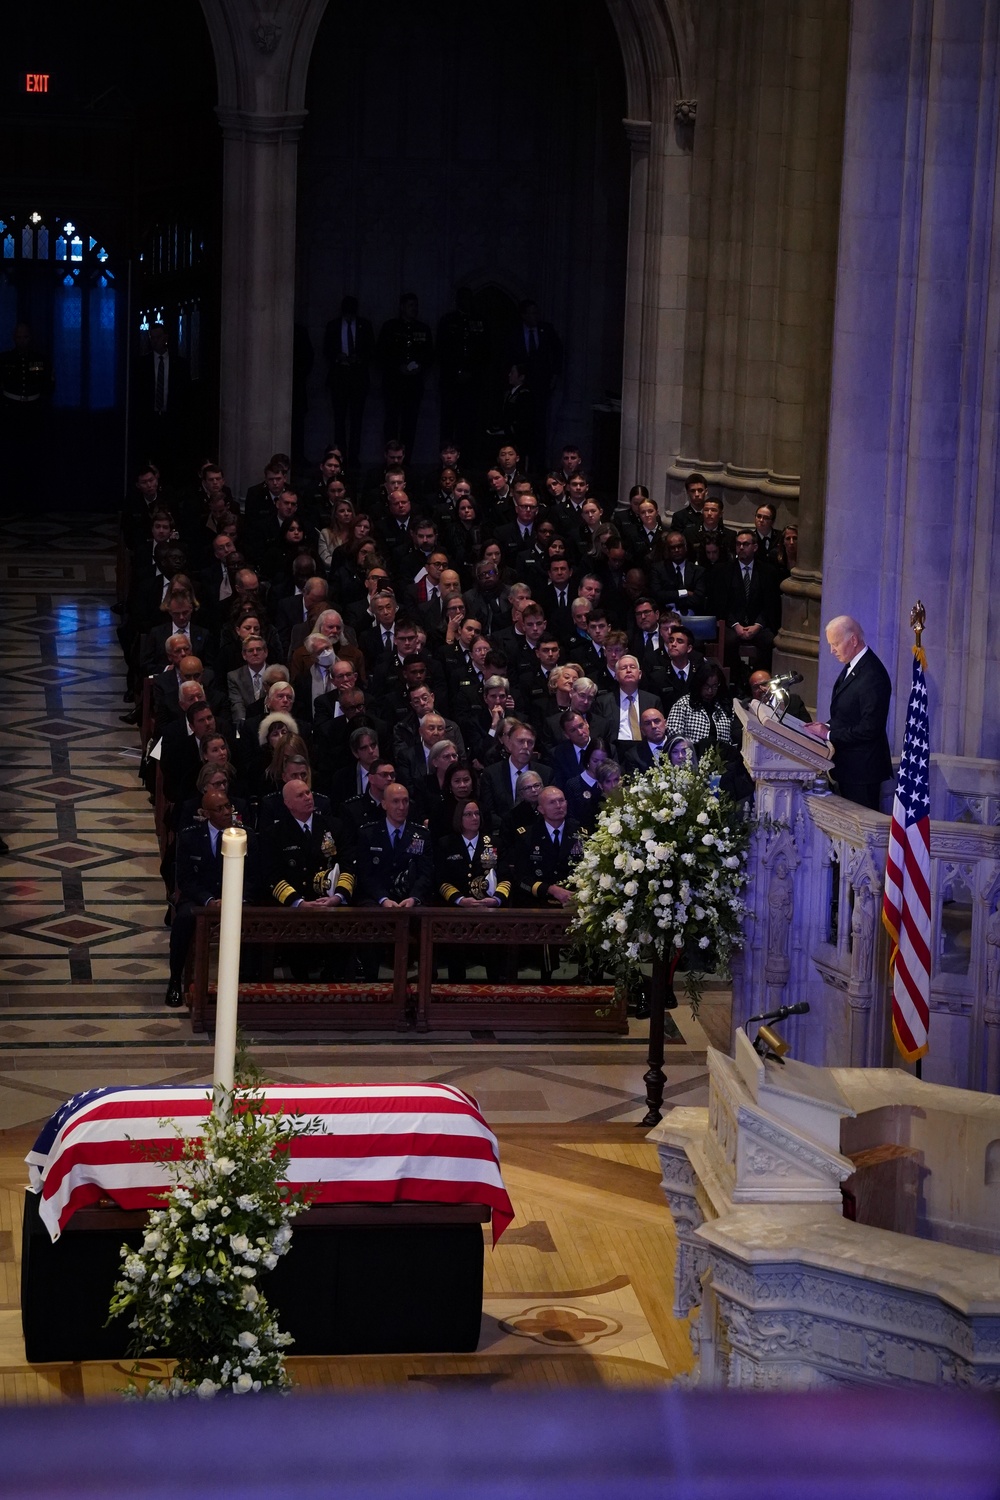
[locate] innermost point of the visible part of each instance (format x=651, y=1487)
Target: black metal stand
x=660, y=985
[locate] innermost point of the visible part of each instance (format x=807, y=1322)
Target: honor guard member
x=199, y=880
x=404, y=354
x=302, y=857
x=469, y=874
x=546, y=852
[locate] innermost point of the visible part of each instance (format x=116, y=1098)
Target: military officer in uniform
x=394, y=864
x=546, y=852
x=303, y=869
x=470, y=873
x=199, y=880
x=404, y=354
x=302, y=853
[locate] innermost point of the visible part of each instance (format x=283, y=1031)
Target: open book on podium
x=769, y=739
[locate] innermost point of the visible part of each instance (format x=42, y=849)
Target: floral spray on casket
x=192, y=1287
x=662, y=876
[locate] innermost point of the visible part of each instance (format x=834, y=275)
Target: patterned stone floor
x=82, y=941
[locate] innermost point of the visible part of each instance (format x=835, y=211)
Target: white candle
x=234, y=850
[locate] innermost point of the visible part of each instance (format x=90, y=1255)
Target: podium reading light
x=776, y=696
x=767, y=1043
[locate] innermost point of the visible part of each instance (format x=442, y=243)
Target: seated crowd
x=412, y=690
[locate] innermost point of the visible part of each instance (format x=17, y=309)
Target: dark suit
x=760, y=604
x=538, y=864
x=349, y=379
x=394, y=870
x=565, y=759
x=153, y=650
x=512, y=541
x=162, y=437
x=297, y=861
x=638, y=755
x=583, y=802
x=859, y=710
x=496, y=795
x=684, y=592
x=199, y=881
x=607, y=705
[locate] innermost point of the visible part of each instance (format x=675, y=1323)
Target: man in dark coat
x=546, y=852
x=349, y=347
x=199, y=881
x=859, y=711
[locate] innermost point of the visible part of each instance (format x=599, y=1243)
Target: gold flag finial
x=918, y=617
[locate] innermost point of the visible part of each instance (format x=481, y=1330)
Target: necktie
x=159, y=399
x=434, y=592
x=555, y=838
x=225, y=585
x=255, y=679
x=682, y=674
x=350, y=340
x=562, y=598
x=680, y=572
x=214, y=833
x=396, y=836
x=633, y=718
x=470, y=844
x=746, y=581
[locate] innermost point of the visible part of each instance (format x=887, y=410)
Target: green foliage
x=192, y=1287
x=663, y=873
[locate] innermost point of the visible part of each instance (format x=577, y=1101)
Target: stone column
x=262, y=62
x=912, y=471
x=258, y=289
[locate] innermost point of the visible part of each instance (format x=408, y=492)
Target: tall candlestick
x=234, y=851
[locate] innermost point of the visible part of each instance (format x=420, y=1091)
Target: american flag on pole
x=906, y=905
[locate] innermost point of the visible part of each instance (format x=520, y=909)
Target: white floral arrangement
x=662, y=875
x=192, y=1286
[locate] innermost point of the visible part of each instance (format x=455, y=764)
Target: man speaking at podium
x=859, y=710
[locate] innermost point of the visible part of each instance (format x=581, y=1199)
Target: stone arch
x=262, y=63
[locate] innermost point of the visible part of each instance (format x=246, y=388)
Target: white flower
x=703, y=819
x=732, y=863
x=198, y=1211
x=207, y=1389
x=247, y=1340
x=152, y=1240
x=708, y=840
x=250, y=1296
x=630, y=888
x=703, y=942
x=243, y=1384
x=605, y=883
x=270, y=1261
x=614, y=827
x=225, y=1166
x=247, y=1202
x=238, y=1243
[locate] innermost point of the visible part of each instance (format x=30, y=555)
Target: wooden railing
x=511, y=1002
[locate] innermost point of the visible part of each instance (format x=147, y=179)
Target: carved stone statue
x=863, y=932
x=779, y=921
x=993, y=956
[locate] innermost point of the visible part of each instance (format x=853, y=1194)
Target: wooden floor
x=578, y=1292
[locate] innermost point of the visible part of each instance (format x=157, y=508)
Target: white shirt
x=306, y=826
x=555, y=828
x=854, y=661
x=391, y=829
x=514, y=775
x=624, y=704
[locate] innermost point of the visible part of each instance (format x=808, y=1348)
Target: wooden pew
x=512, y=1005
x=268, y=1003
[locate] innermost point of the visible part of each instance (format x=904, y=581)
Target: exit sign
x=36, y=83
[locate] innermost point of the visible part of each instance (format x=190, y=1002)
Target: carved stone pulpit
x=784, y=892
x=774, y=1129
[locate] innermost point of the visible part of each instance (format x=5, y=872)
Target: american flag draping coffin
x=375, y=1143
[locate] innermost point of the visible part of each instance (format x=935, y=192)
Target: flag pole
x=234, y=852
x=918, y=619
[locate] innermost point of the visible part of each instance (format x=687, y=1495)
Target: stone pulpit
x=835, y=1226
